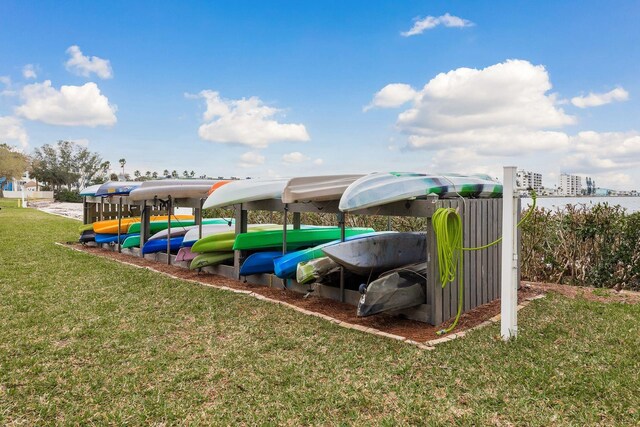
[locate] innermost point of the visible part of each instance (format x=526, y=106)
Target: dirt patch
x=591, y=294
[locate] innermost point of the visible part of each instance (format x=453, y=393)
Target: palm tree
x=174, y=174
x=122, y=163
x=137, y=174
x=192, y=174
x=185, y=174
x=165, y=172
x=147, y=174
x=154, y=175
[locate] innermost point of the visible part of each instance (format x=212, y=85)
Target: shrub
x=71, y=196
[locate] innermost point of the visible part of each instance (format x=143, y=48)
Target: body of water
x=631, y=204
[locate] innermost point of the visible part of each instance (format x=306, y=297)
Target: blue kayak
x=259, y=263
x=285, y=266
x=160, y=245
x=110, y=238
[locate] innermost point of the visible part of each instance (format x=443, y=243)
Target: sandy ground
x=69, y=210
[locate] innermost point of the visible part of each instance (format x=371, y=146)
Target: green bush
x=580, y=245
x=71, y=196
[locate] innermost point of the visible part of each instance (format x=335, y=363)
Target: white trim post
x=509, y=292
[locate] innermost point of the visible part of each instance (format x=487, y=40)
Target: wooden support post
x=341, y=221
x=119, y=223
x=433, y=278
x=296, y=220
x=198, y=215
x=144, y=225
x=241, y=227
x=169, y=231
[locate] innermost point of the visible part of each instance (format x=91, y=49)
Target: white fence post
x=23, y=204
x=509, y=293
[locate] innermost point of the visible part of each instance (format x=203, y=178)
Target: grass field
x=84, y=340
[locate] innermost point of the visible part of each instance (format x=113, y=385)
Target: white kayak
x=317, y=188
x=192, y=236
x=246, y=190
x=174, y=182
x=387, y=187
x=177, y=191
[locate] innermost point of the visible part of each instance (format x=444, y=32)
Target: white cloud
x=502, y=109
x=392, y=95
x=11, y=129
x=318, y=162
x=597, y=99
x=251, y=159
x=70, y=106
x=616, y=181
x=294, y=157
x=29, y=72
x=84, y=65
x=593, y=152
x=421, y=25
x=245, y=121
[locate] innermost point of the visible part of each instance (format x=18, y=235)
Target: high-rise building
x=528, y=179
x=569, y=185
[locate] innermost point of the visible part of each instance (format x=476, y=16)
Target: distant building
x=528, y=179
x=591, y=186
x=569, y=185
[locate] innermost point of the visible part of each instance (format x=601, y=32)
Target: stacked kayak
x=116, y=188
x=193, y=234
x=160, y=229
x=223, y=241
x=394, y=290
x=259, y=263
x=110, y=226
x=380, y=252
x=285, y=267
x=209, y=259
x=160, y=245
x=101, y=238
x=381, y=188
x=295, y=238
x=313, y=270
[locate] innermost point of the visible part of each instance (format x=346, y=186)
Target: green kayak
x=131, y=242
x=295, y=238
x=211, y=258
x=224, y=241
x=155, y=226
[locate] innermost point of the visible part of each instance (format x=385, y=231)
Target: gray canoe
x=380, y=252
x=394, y=290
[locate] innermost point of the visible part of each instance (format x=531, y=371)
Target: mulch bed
x=410, y=329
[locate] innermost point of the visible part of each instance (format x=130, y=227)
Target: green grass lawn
x=85, y=340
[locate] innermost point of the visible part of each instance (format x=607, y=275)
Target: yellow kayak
x=110, y=226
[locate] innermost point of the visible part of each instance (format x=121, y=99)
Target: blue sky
x=300, y=88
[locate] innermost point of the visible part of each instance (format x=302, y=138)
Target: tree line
x=66, y=168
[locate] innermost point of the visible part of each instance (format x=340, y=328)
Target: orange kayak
x=217, y=185
x=110, y=226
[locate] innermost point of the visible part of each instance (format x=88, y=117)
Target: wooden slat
x=483, y=253
x=432, y=275
x=466, y=226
